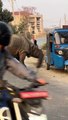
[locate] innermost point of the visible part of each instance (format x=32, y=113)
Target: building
x=36, y=22
x=35, y=25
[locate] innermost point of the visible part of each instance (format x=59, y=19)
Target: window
x=57, y=38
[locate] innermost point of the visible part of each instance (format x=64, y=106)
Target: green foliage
x=14, y=28
x=1, y=6
x=23, y=26
x=0, y=10
x=5, y=15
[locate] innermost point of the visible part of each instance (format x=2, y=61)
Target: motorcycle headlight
x=60, y=52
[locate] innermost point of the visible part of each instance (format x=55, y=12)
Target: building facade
x=35, y=25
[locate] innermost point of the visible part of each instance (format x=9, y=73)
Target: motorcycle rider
x=9, y=62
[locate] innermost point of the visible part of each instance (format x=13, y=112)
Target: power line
x=9, y=3
x=15, y=3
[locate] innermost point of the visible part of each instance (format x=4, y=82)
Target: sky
x=55, y=12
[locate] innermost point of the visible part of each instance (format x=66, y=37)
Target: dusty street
x=56, y=107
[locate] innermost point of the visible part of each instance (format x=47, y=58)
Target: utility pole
x=60, y=23
x=12, y=5
x=65, y=19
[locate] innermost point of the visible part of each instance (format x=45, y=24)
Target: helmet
x=5, y=33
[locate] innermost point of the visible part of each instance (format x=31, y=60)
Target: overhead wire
x=9, y=2
x=16, y=5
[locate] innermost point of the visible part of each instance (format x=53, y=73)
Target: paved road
x=57, y=104
x=56, y=107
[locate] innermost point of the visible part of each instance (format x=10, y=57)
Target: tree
x=1, y=10
x=23, y=26
x=14, y=28
x=5, y=15
x=1, y=6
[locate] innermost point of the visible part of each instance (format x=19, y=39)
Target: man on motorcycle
x=9, y=62
x=20, y=47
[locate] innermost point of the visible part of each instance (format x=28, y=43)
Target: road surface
x=56, y=107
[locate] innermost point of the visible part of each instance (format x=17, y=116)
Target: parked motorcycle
x=22, y=104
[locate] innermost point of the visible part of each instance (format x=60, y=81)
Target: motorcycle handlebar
x=14, y=92
x=38, y=83
x=35, y=84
